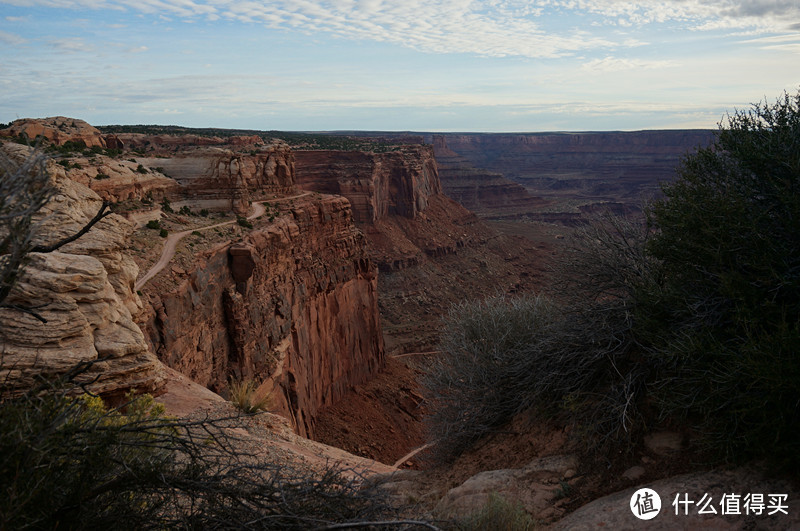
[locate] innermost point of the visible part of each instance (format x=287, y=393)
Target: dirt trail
x=172, y=240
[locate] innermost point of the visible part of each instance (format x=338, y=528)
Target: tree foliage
x=725, y=319
x=693, y=316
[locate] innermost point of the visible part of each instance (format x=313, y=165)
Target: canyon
x=322, y=275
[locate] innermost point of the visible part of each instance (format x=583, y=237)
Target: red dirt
x=381, y=419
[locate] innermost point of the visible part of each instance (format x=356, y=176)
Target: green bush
x=243, y=222
x=724, y=322
x=154, y=224
x=71, y=463
x=163, y=232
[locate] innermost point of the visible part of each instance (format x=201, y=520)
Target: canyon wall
x=394, y=183
x=226, y=179
x=293, y=306
x=607, y=164
x=486, y=193
x=431, y=251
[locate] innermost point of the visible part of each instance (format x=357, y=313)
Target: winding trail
x=172, y=240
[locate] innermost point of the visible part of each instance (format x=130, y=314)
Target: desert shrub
x=725, y=318
x=72, y=463
x=244, y=395
x=497, y=514
x=480, y=378
x=154, y=224
x=141, y=169
x=163, y=232
x=243, y=222
x=166, y=206
x=572, y=355
x=100, y=176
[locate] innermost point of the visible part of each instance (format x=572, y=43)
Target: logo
x=645, y=504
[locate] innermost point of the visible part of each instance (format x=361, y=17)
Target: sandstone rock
x=305, y=326
x=664, y=442
x=613, y=511
x=119, y=180
x=481, y=191
x=85, y=292
x=218, y=178
x=57, y=129
x=377, y=184
x=536, y=487
x=634, y=473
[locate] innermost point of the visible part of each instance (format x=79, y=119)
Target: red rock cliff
x=294, y=306
x=395, y=183
x=228, y=179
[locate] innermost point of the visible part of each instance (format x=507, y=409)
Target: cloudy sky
x=425, y=65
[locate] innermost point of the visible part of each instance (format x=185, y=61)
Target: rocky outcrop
x=294, y=307
x=85, y=293
x=60, y=130
x=226, y=179
x=378, y=185
x=119, y=180
x=486, y=193
x=704, y=493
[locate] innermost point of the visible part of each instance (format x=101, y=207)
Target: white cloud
x=615, y=64
x=482, y=27
x=72, y=45
x=11, y=38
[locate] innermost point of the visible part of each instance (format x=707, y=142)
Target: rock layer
x=294, y=307
x=486, y=193
x=59, y=130
x=217, y=178
x=395, y=183
x=85, y=293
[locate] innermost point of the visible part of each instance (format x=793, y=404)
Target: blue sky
x=423, y=65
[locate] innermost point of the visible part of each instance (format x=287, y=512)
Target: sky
x=397, y=65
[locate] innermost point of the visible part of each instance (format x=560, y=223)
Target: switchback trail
x=172, y=240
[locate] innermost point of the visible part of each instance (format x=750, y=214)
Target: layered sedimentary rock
x=59, y=130
x=615, y=164
x=295, y=306
x=481, y=191
x=119, y=180
x=218, y=178
x=395, y=183
x=84, y=291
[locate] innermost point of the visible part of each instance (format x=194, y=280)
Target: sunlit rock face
x=85, y=293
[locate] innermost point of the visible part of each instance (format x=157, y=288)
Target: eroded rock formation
x=294, y=306
x=59, y=130
x=395, y=183
x=85, y=293
x=226, y=179
x=486, y=193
